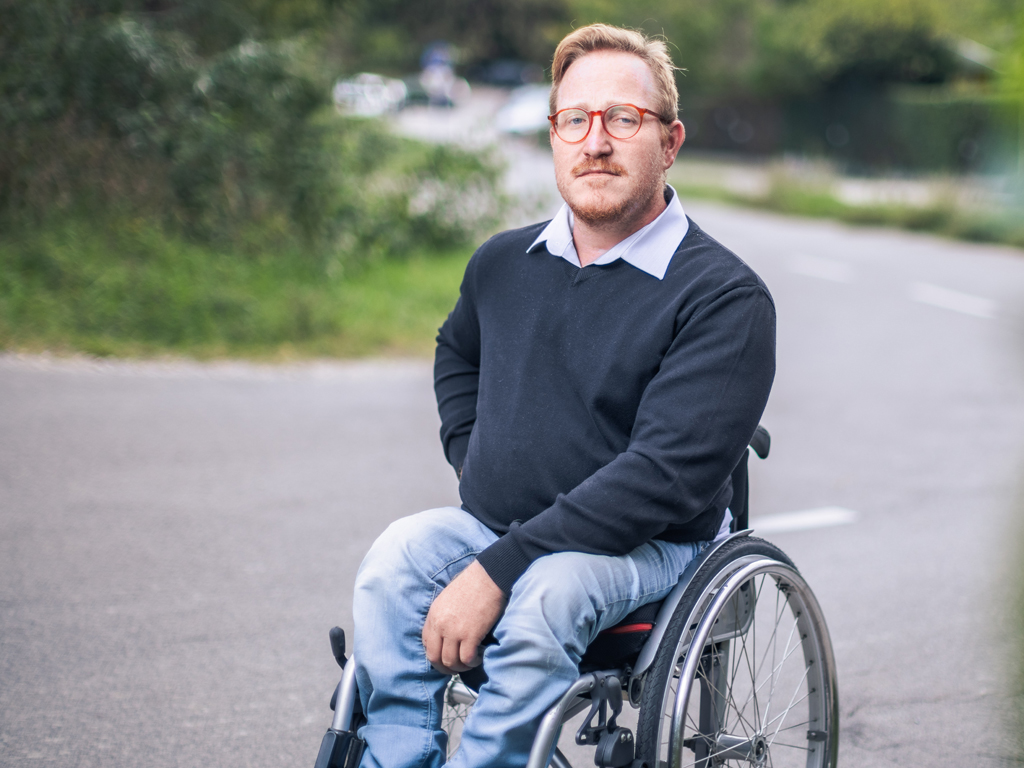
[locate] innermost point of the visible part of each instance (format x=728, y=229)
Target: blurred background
x=208, y=208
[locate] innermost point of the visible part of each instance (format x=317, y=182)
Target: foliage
x=1011, y=85
x=390, y=35
x=779, y=49
x=105, y=108
x=813, y=45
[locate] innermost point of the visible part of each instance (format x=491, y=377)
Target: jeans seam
x=428, y=700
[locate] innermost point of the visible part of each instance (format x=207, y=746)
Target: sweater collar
x=649, y=249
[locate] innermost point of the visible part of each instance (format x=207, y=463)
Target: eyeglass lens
x=621, y=121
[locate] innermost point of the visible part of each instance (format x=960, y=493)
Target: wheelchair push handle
x=338, y=646
x=761, y=442
x=341, y=746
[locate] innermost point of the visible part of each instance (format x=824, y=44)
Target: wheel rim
x=761, y=692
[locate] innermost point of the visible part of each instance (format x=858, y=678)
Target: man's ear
x=674, y=139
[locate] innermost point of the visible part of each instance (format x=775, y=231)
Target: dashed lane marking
x=946, y=298
x=805, y=520
x=821, y=267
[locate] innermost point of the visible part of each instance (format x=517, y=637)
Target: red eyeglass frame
x=600, y=113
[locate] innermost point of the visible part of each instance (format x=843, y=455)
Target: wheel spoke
x=749, y=728
x=732, y=680
x=792, y=746
x=792, y=702
x=804, y=724
x=786, y=712
x=774, y=643
x=776, y=668
x=753, y=676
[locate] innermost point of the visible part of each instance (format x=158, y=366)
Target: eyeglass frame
x=601, y=112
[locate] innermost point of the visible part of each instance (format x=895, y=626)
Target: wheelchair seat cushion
x=619, y=646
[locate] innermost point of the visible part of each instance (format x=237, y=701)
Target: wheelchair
x=734, y=668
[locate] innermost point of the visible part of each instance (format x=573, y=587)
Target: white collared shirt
x=649, y=249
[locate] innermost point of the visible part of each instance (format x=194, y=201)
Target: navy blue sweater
x=595, y=409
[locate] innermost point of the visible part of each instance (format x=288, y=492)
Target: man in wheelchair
x=598, y=381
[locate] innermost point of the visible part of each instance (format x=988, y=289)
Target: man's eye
x=576, y=120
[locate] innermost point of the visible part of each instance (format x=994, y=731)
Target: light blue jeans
x=555, y=610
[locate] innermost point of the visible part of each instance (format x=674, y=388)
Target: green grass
x=128, y=289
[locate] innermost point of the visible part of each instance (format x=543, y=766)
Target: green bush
x=112, y=112
x=943, y=129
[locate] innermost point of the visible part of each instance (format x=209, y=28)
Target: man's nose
x=598, y=142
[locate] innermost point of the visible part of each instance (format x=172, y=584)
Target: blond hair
x=604, y=37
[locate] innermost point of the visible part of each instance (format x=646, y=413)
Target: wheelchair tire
x=762, y=691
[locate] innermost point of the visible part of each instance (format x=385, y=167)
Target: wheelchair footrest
x=615, y=749
x=340, y=749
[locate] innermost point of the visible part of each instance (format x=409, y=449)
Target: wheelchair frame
x=719, y=600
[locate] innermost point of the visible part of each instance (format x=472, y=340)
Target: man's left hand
x=460, y=618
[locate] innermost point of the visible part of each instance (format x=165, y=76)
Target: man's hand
x=460, y=618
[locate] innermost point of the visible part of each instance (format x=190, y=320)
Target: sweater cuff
x=505, y=561
x=458, y=447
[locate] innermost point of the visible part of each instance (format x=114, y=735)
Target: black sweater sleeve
x=695, y=419
x=457, y=373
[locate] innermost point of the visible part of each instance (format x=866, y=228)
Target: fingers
x=443, y=653
x=460, y=656
x=451, y=658
x=471, y=655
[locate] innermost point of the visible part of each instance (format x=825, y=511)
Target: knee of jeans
x=387, y=553
x=408, y=546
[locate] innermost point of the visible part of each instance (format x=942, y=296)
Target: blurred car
x=526, y=110
x=442, y=86
x=369, y=95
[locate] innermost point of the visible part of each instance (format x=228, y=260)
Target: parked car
x=369, y=95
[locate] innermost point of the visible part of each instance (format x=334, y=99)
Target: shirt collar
x=649, y=249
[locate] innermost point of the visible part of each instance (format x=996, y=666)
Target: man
x=598, y=380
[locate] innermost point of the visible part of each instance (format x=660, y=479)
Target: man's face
x=608, y=181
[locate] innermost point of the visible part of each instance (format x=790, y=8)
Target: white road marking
x=805, y=520
x=821, y=267
x=968, y=304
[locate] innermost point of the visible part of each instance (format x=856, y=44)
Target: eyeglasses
x=621, y=121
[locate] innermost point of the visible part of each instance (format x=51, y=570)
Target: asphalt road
x=176, y=539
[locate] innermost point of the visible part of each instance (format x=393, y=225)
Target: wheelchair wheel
x=745, y=673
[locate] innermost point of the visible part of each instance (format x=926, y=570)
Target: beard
x=600, y=207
